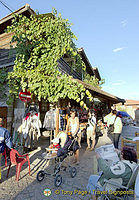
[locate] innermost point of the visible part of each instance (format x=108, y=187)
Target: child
x=54, y=146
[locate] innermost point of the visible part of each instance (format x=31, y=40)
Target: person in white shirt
x=115, y=135
x=91, y=130
x=73, y=129
x=108, y=118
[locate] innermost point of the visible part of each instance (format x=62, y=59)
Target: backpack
x=98, y=132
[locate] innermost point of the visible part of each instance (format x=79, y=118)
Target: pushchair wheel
x=56, y=169
x=73, y=172
x=58, y=180
x=40, y=175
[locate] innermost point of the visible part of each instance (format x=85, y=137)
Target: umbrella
x=123, y=114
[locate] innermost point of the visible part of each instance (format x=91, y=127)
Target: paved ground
x=27, y=188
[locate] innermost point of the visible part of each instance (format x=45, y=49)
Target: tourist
x=73, y=128
x=5, y=141
x=91, y=130
x=115, y=135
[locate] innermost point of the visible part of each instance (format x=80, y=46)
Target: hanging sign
x=25, y=96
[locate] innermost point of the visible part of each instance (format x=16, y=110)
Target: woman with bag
x=91, y=130
x=115, y=128
x=73, y=127
x=101, y=135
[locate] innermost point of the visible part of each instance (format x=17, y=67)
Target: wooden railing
x=65, y=68
x=7, y=57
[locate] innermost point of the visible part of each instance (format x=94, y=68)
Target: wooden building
x=7, y=61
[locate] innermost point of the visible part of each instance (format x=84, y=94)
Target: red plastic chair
x=5, y=156
x=18, y=160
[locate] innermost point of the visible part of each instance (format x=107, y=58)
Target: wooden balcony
x=65, y=68
x=7, y=59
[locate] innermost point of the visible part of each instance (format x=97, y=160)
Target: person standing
x=91, y=130
x=107, y=119
x=73, y=127
x=115, y=135
x=5, y=140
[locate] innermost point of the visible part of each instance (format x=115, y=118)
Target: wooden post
x=12, y=117
x=57, y=119
x=109, y=105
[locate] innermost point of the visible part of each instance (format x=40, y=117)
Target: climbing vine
x=3, y=82
x=41, y=41
x=93, y=81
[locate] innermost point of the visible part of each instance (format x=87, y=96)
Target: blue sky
x=108, y=30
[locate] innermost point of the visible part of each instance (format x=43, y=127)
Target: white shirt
x=92, y=121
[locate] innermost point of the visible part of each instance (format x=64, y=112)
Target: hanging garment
x=35, y=123
x=49, y=120
x=25, y=128
x=18, y=116
x=32, y=131
x=30, y=109
x=32, y=138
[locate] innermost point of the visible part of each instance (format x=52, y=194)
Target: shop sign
x=25, y=96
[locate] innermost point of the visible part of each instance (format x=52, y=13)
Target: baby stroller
x=59, y=159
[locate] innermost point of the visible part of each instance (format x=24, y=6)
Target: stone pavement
x=28, y=188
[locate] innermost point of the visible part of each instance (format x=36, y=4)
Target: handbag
x=98, y=132
x=111, y=127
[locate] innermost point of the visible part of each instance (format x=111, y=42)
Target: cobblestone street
x=69, y=100
x=28, y=188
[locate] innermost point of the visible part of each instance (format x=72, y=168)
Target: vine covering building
x=7, y=58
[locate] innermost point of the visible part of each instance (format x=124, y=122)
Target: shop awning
x=100, y=94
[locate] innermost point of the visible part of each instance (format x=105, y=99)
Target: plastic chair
x=18, y=160
x=5, y=157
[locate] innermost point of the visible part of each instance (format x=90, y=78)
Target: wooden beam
x=57, y=119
